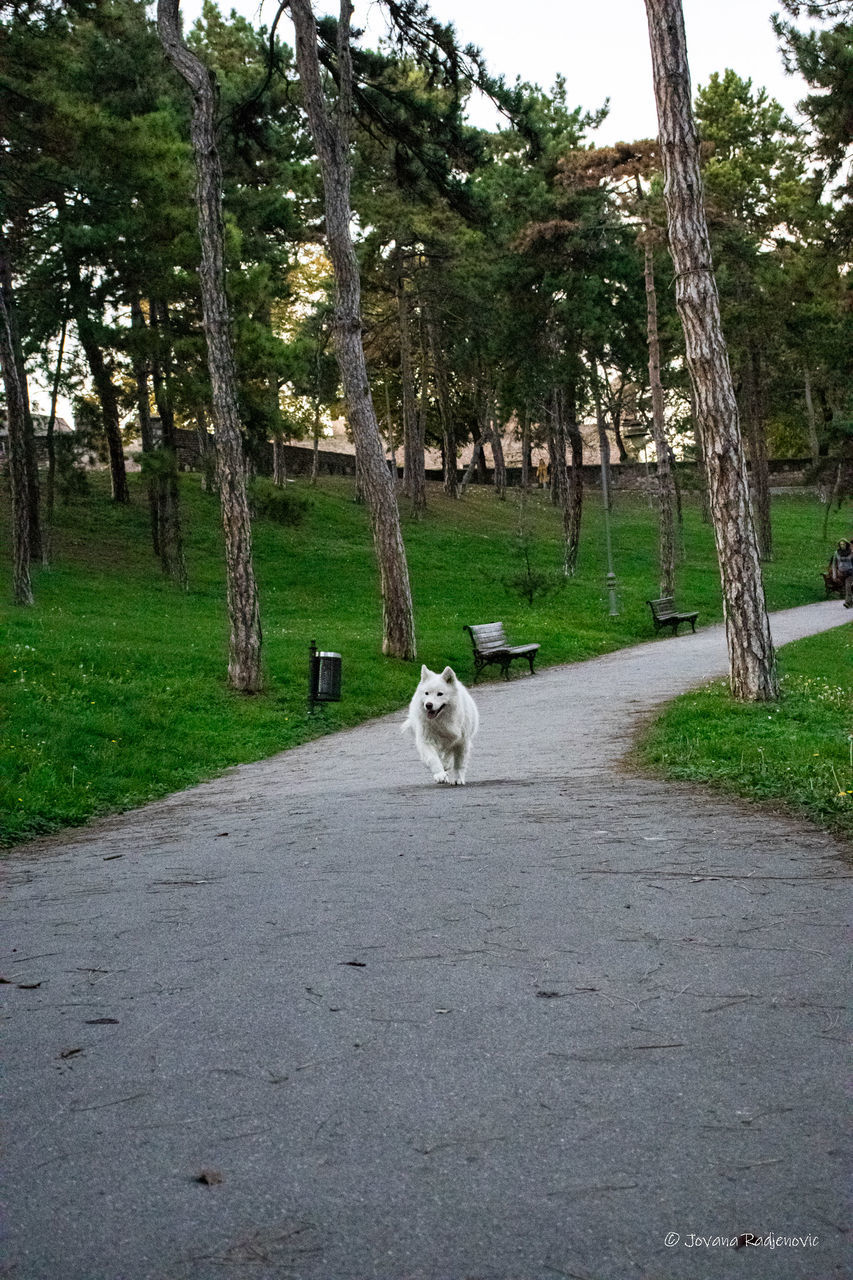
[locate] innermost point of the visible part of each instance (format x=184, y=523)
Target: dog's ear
x=448, y=675
x=425, y=671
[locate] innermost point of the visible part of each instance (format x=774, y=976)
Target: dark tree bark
x=244, y=662
x=28, y=442
x=414, y=479
x=22, y=591
x=751, y=655
x=169, y=503
x=99, y=367
x=492, y=434
x=664, y=470
x=756, y=442
x=450, y=460
x=814, y=443
x=525, y=450
x=331, y=140
x=575, y=439
x=603, y=440
x=143, y=407
x=50, y=487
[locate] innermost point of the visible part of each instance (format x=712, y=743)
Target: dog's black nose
x=428, y=706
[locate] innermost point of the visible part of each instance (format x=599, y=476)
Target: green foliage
x=113, y=686
x=283, y=505
x=798, y=752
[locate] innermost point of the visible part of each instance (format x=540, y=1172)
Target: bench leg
x=530, y=659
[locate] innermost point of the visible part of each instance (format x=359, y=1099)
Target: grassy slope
x=798, y=753
x=112, y=688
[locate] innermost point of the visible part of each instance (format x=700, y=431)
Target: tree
x=751, y=655
x=244, y=664
x=16, y=398
x=331, y=131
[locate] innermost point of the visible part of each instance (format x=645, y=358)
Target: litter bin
x=324, y=676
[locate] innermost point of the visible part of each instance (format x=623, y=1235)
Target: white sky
x=600, y=46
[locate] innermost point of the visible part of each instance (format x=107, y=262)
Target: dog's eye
x=439, y=694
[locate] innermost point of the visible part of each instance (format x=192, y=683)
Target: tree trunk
x=22, y=591
x=244, y=662
x=331, y=140
x=603, y=441
x=814, y=443
x=143, y=405
x=751, y=655
x=575, y=439
x=756, y=442
x=414, y=480
x=525, y=451
x=90, y=341
x=492, y=433
x=50, y=489
x=448, y=434
x=30, y=454
x=664, y=471
x=560, y=482
x=171, y=538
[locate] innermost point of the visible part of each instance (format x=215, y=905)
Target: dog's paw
x=441, y=777
x=460, y=782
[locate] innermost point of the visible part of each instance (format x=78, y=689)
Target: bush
x=281, y=505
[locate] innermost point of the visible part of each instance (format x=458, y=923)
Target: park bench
x=665, y=614
x=832, y=586
x=491, y=645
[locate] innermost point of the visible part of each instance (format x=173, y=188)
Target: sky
x=600, y=46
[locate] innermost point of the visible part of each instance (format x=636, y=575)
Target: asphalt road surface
x=562, y=1022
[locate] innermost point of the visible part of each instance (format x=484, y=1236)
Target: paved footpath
x=562, y=1022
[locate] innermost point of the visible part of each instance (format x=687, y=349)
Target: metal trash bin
x=324, y=676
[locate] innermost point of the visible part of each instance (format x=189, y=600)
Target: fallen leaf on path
x=209, y=1177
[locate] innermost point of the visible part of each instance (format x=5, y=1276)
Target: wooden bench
x=832, y=586
x=491, y=645
x=665, y=614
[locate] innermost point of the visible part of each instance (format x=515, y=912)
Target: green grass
x=797, y=753
x=112, y=688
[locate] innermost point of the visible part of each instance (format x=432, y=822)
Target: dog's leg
x=433, y=761
x=461, y=756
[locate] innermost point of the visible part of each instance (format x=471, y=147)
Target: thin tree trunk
x=814, y=443
x=450, y=460
x=494, y=437
x=244, y=664
x=560, y=478
x=525, y=450
x=603, y=441
x=143, y=404
x=30, y=456
x=476, y=457
x=751, y=655
x=756, y=441
x=664, y=472
x=171, y=538
x=315, y=444
x=331, y=140
x=50, y=489
x=389, y=426
x=414, y=481
x=575, y=439
x=22, y=590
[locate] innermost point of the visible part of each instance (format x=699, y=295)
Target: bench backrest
x=488, y=637
x=666, y=604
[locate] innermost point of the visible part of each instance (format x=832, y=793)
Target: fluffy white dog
x=443, y=717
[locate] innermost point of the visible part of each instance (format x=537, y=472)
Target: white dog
x=443, y=717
